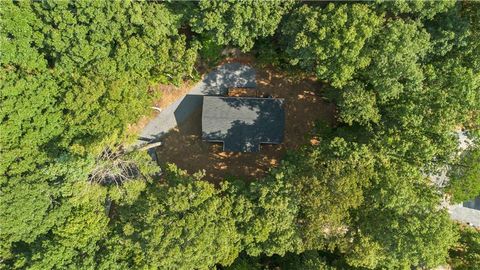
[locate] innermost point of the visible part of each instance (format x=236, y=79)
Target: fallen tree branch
x=149, y=146
x=156, y=108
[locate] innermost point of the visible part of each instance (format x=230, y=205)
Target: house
x=243, y=123
x=467, y=212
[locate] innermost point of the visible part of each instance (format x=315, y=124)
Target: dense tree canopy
x=399, y=223
x=330, y=183
x=73, y=75
x=177, y=225
x=238, y=23
x=466, y=253
x=420, y=9
x=464, y=184
x=404, y=76
x=330, y=41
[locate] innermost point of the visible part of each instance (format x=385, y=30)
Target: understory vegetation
x=404, y=75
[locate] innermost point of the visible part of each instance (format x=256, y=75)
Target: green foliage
x=330, y=181
x=267, y=53
x=272, y=228
x=73, y=241
x=408, y=86
x=464, y=176
x=211, y=51
x=309, y=260
x=238, y=23
x=399, y=224
x=104, y=75
x=179, y=224
x=419, y=9
x=62, y=225
x=246, y=263
x=396, y=56
x=373, y=211
x=64, y=216
x=32, y=205
x=330, y=41
x=465, y=255
x=411, y=108
x=176, y=226
x=358, y=105
x=73, y=75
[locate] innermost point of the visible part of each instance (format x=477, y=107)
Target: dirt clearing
x=303, y=106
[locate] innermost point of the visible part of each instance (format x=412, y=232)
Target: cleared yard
x=303, y=105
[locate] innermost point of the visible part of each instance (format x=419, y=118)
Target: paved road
x=214, y=83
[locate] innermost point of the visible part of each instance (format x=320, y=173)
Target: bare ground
x=303, y=106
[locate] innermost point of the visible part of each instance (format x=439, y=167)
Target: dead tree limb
x=149, y=146
x=156, y=108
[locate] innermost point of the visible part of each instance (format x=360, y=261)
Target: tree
x=74, y=81
x=398, y=51
x=330, y=41
x=30, y=116
x=30, y=206
x=464, y=176
x=272, y=226
x=63, y=216
x=330, y=182
x=399, y=224
x=105, y=63
x=238, y=23
x=465, y=255
x=185, y=225
x=416, y=9
x=308, y=260
x=73, y=75
x=358, y=105
x=72, y=242
x=404, y=103
x=246, y=263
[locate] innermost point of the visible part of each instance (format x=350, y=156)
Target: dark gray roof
x=473, y=204
x=242, y=123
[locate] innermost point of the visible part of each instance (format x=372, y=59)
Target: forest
x=74, y=75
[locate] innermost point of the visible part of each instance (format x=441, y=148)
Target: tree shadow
x=229, y=75
x=188, y=114
x=244, y=123
x=216, y=83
